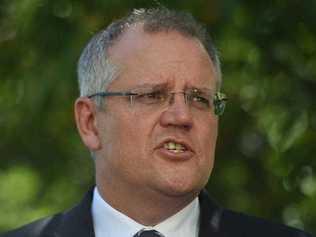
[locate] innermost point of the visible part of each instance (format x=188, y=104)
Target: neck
x=147, y=207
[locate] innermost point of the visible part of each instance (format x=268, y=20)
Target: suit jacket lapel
x=210, y=217
x=75, y=222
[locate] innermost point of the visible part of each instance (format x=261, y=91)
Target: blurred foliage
x=266, y=150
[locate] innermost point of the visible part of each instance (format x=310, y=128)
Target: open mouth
x=175, y=147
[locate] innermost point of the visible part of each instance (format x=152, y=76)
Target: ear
x=85, y=115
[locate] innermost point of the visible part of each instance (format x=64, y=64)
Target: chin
x=180, y=189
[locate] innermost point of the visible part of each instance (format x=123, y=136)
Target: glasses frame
x=219, y=100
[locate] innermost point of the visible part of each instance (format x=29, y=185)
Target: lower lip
x=179, y=156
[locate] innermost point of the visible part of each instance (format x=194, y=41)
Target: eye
x=199, y=99
x=152, y=97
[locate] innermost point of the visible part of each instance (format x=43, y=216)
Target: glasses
x=201, y=99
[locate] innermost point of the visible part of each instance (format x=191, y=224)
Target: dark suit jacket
x=214, y=222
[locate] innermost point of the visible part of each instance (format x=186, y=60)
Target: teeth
x=175, y=147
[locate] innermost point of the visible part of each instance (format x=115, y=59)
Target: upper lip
x=186, y=144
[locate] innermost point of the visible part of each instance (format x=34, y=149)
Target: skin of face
x=132, y=166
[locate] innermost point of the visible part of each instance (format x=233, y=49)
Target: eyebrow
x=165, y=85
x=200, y=88
x=151, y=86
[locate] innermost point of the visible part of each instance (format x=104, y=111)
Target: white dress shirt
x=109, y=222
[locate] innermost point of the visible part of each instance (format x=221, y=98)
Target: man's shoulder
x=235, y=222
x=224, y=222
x=74, y=222
x=37, y=228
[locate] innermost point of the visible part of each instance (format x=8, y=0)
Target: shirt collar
x=109, y=222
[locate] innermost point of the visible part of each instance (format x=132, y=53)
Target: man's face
x=136, y=142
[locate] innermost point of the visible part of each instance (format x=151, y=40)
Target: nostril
x=186, y=126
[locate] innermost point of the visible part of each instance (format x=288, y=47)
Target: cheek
x=208, y=141
x=209, y=133
x=119, y=146
x=209, y=144
x=129, y=136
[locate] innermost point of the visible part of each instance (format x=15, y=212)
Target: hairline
x=117, y=66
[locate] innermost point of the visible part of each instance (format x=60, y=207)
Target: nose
x=178, y=113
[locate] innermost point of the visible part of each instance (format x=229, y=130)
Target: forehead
x=162, y=57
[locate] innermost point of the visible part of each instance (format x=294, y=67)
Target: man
x=148, y=113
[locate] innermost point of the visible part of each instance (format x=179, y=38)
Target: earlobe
x=85, y=116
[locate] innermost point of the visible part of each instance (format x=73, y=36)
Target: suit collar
x=75, y=222
x=210, y=216
x=78, y=221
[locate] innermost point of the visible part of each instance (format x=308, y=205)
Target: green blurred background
x=265, y=162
